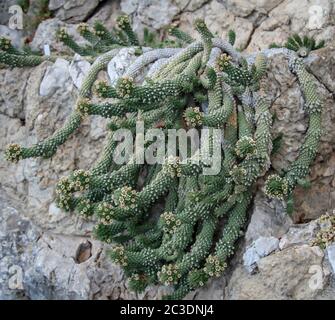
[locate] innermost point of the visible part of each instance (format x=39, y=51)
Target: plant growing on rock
x=205, y=83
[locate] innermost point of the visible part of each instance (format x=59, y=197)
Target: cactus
x=205, y=83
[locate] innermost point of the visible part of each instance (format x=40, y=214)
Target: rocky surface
x=73, y=10
x=286, y=267
x=35, y=102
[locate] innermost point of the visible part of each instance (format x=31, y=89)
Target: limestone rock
x=287, y=274
x=219, y=21
x=14, y=35
x=117, y=66
x=4, y=10
x=331, y=256
x=46, y=34
x=299, y=234
x=56, y=77
x=156, y=14
x=107, y=12
x=260, y=248
x=286, y=17
x=43, y=265
x=78, y=69
x=73, y=10
x=268, y=219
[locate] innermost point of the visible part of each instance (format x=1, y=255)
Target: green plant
x=24, y=4
x=326, y=234
x=303, y=46
x=205, y=83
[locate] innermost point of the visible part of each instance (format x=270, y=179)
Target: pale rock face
x=299, y=234
x=56, y=77
x=46, y=34
x=294, y=273
x=155, y=13
x=260, y=248
x=78, y=69
x=14, y=35
x=118, y=65
x=220, y=21
x=331, y=256
x=287, y=17
x=268, y=219
x=73, y=10
x=44, y=265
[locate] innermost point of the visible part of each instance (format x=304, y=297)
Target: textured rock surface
x=73, y=10
x=35, y=102
x=331, y=256
x=287, y=274
x=37, y=264
x=260, y=248
x=46, y=34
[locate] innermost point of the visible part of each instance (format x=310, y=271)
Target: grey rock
x=56, y=77
x=117, y=66
x=14, y=35
x=220, y=20
x=43, y=265
x=298, y=235
x=286, y=17
x=294, y=273
x=250, y=258
x=265, y=245
x=4, y=10
x=46, y=35
x=331, y=256
x=260, y=248
x=78, y=70
x=154, y=13
x=268, y=219
x=73, y=10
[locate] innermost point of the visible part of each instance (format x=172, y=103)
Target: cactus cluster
x=198, y=84
x=326, y=234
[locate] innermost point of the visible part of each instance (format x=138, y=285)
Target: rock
x=156, y=14
x=107, y=12
x=286, y=17
x=56, y=77
x=294, y=273
x=73, y=10
x=190, y=5
x=322, y=62
x=78, y=70
x=16, y=234
x=243, y=8
x=260, y=248
x=220, y=21
x=117, y=66
x=317, y=17
x=268, y=219
x=44, y=265
x=298, y=235
x=4, y=11
x=12, y=99
x=213, y=290
x=250, y=257
x=14, y=35
x=41, y=244
x=331, y=256
x=46, y=34
x=265, y=245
